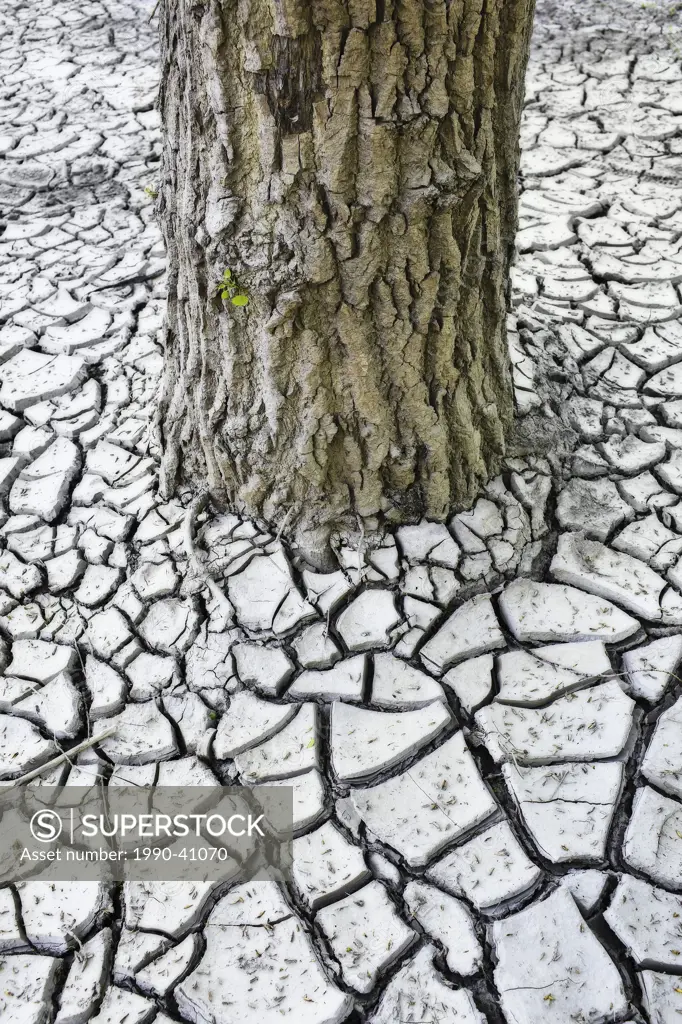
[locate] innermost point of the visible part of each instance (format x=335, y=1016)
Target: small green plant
x=151, y=192
x=229, y=289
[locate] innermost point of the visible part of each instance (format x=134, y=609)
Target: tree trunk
x=353, y=164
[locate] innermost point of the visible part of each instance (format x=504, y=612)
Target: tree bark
x=353, y=163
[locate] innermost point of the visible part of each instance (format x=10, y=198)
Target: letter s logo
x=46, y=826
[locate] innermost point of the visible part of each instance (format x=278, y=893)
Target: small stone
x=489, y=869
x=365, y=935
x=366, y=742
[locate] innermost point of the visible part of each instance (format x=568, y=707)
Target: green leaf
x=310, y=743
x=224, y=294
x=227, y=275
x=240, y=300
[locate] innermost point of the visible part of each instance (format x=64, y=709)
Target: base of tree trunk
x=352, y=166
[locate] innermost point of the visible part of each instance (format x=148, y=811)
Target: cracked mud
x=481, y=721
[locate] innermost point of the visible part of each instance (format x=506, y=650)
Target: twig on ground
x=60, y=759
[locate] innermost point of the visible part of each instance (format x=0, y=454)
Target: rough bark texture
x=354, y=163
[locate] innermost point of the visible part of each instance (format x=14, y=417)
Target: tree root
x=197, y=506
